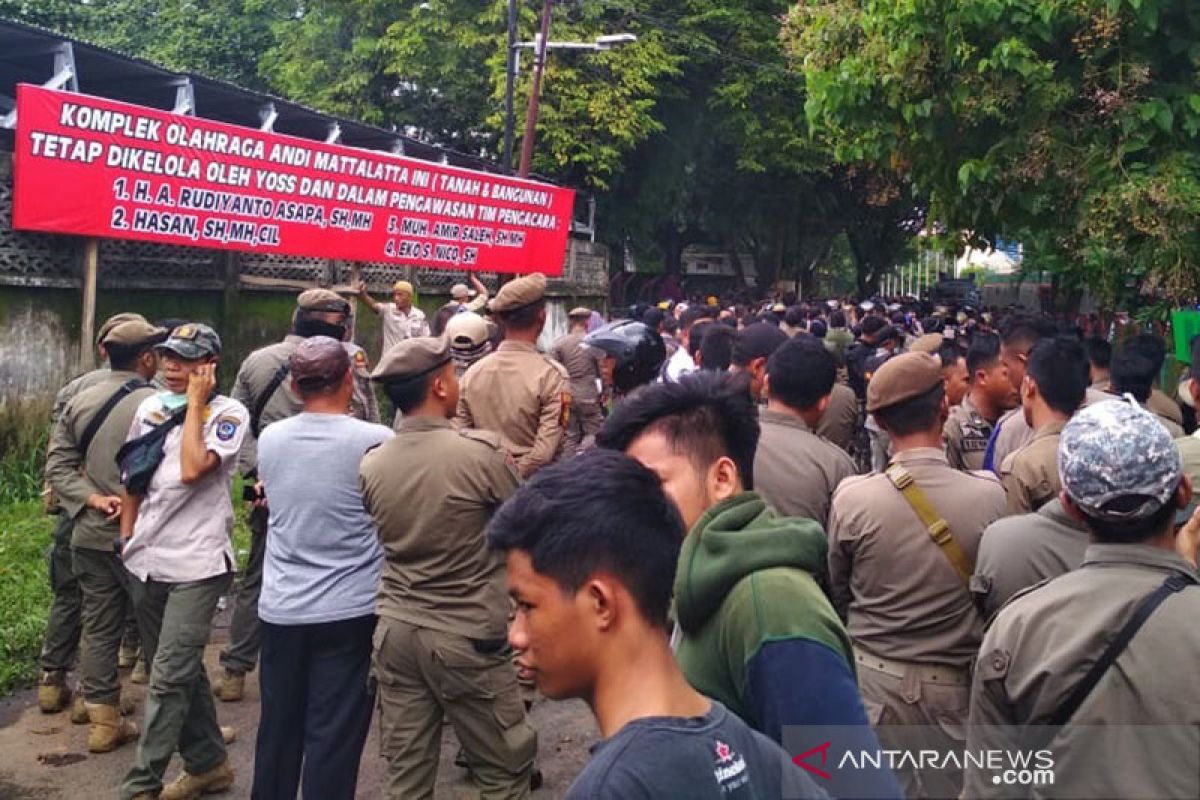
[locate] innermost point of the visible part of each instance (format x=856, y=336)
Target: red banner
x=95, y=167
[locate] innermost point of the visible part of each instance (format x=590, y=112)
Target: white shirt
x=182, y=532
x=680, y=364
x=398, y=325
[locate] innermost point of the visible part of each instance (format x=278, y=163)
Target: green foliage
x=25, y=534
x=24, y=426
x=1070, y=125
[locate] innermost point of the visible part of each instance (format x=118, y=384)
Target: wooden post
x=354, y=276
x=87, y=331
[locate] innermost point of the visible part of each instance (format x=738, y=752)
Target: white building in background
x=1004, y=259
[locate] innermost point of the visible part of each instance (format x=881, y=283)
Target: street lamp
x=540, y=45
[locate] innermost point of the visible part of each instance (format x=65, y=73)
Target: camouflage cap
x=1113, y=450
x=322, y=300
x=192, y=341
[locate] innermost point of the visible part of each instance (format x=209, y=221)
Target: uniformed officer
x=400, y=319
x=970, y=423
x=584, y=365
x=178, y=550
x=63, y=626
x=440, y=645
x=1110, y=642
x=795, y=470
x=902, y=546
x=1056, y=379
x=1018, y=552
x=517, y=392
x=262, y=386
x=81, y=466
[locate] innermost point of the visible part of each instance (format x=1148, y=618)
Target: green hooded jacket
x=747, y=577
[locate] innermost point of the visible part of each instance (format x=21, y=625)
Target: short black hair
x=704, y=415
x=795, y=316
x=1059, y=367
x=716, y=346
x=653, y=317
x=599, y=512
x=1025, y=329
x=919, y=414
x=757, y=341
x=1133, y=372
x=837, y=320
x=123, y=357
x=521, y=318
x=817, y=329
x=1131, y=531
x=690, y=315
x=1099, y=352
x=1150, y=346
x=800, y=373
x=694, y=342
x=873, y=325
x=983, y=353
x=949, y=354
x=408, y=394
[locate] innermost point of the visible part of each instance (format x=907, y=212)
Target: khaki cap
x=114, y=321
x=322, y=300
x=466, y=330
x=460, y=291
x=403, y=286
x=929, y=343
x=135, y=332
x=579, y=311
x=412, y=358
x=901, y=378
x=519, y=292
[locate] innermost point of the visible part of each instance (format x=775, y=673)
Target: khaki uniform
x=1030, y=475
x=795, y=470
x=440, y=646
x=1015, y=432
x=1018, y=552
x=912, y=619
x=840, y=421
x=103, y=580
x=584, y=368
x=966, y=435
x=1159, y=402
x=253, y=379
x=1043, y=643
x=522, y=395
x=1189, y=453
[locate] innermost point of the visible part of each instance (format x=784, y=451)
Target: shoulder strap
x=93, y=427
x=265, y=397
x=937, y=527
x=1174, y=583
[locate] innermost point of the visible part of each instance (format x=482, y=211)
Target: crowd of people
x=929, y=528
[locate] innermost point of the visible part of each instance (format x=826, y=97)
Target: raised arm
x=360, y=286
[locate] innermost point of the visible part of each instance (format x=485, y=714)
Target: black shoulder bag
x=265, y=397
x=1173, y=584
x=93, y=426
x=138, y=459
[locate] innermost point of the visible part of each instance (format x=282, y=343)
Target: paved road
x=45, y=757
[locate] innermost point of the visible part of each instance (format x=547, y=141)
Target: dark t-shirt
x=715, y=756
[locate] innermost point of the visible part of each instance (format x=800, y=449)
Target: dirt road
x=44, y=757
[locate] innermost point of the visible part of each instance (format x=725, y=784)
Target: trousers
x=317, y=698
x=64, y=624
x=245, y=633
x=104, y=584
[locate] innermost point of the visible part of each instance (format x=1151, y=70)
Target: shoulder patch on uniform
x=226, y=427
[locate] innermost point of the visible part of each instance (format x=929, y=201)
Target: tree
x=1070, y=125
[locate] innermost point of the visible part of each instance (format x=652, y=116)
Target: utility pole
x=510, y=79
x=531, y=113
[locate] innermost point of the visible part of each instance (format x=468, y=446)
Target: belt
x=927, y=673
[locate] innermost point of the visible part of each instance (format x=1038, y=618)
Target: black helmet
x=637, y=348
